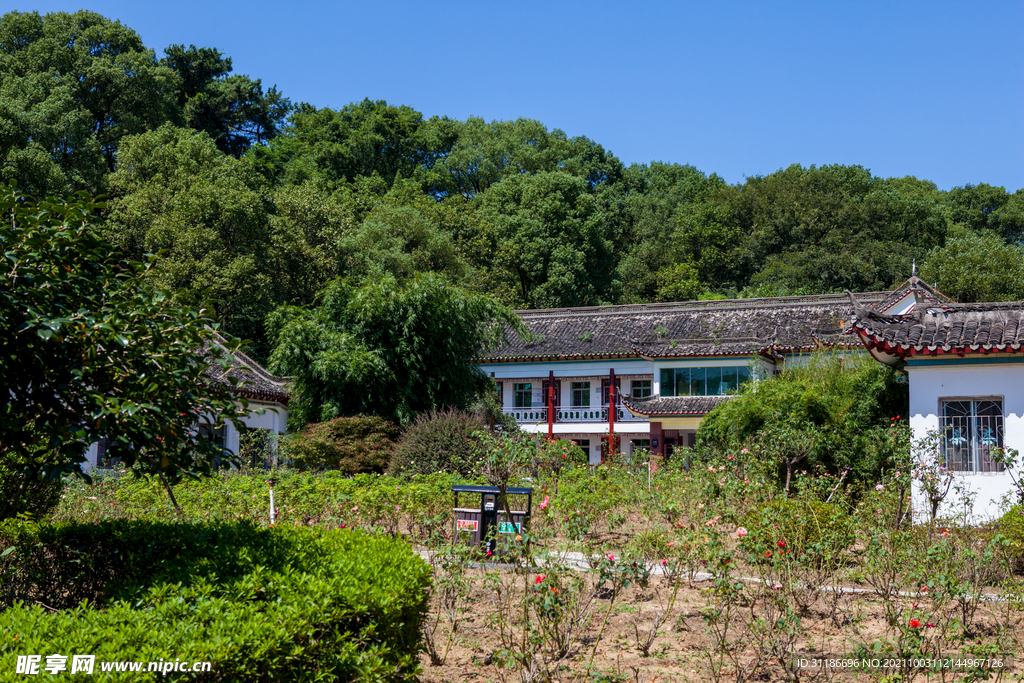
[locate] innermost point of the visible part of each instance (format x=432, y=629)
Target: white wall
x=274, y=418
x=1003, y=381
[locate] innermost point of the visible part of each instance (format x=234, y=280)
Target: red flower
x=782, y=544
x=768, y=553
x=931, y=625
x=539, y=579
x=914, y=623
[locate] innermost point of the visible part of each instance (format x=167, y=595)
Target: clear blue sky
x=931, y=89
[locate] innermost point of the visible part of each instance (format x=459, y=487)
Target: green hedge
x=261, y=604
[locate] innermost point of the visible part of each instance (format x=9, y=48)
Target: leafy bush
x=1011, y=525
x=831, y=412
x=293, y=604
x=347, y=444
x=805, y=527
x=23, y=491
x=555, y=456
x=440, y=441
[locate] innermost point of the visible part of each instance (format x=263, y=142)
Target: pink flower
x=879, y=487
x=611, y=557
x=710, y=468
x=539, y=579
x=664, y=563
x=544, y=505
x=778, y=586
x=744, y=451
x=741, y=532
x=730, y=456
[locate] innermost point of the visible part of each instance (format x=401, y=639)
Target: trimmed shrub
x=810, y=527
x=283, y=604
x=440, y=441
x=348, y=444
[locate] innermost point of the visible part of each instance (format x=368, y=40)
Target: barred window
x=971, y=430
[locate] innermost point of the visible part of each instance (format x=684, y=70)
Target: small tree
x=440, y=441
x=93, y=349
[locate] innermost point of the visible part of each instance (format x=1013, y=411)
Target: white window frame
x=580, y=392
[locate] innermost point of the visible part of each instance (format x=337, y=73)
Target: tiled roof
x=674, y=405
x=696, y=328
x=922, y=291
x=945, y=328
x=254, y=382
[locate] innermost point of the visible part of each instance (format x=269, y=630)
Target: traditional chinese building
x=266, y=395
x=966, y=372
x=645, y=375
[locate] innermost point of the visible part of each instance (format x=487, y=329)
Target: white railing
x=564, y=414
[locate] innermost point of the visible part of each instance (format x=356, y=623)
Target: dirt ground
x=680, y=650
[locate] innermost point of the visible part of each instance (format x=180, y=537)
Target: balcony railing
x=565, y=414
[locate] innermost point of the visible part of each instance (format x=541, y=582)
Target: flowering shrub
x=797, y=527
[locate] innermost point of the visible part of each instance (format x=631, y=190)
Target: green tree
x=71, y=87
x=655, y=199
x=336, y=146
x=388, y=348
x=93, y=348
x=233, y=110
x=551, y=242
x=679, y=282
x=976, y=266
x=209, y=215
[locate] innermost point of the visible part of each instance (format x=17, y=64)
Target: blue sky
x=931, y=89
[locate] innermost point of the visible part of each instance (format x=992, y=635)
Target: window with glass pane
x=524, y=395
x=698, y=384
x=211, y=433
x=714, y=381
x=743, y=375
x=729, y=381
x=971, y=430
x=641, y=388
x=668, y=382
x=581, y=394
x=682, y=381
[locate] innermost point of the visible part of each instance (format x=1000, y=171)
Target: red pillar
x=551, y=405
x=611, y=410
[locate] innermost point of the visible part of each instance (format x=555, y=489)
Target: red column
x=551, y=405
x=611, y=410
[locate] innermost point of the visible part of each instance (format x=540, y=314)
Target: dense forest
x=261, y=202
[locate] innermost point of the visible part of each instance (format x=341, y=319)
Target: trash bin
x=475, y=524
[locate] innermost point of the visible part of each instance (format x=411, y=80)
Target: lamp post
x=271, y=482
